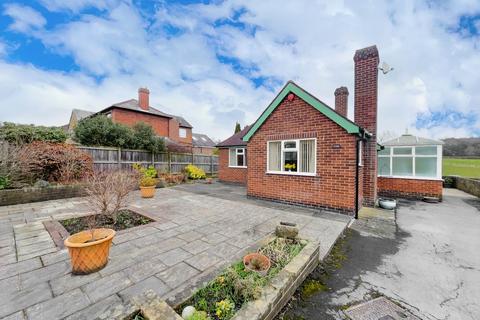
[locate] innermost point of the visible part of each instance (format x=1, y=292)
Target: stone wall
x=27, y=195
x=468, y=185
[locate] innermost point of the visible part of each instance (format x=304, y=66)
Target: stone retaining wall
x=468, y=185
x=27, y=195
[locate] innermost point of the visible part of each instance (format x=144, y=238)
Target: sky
x=218, y=62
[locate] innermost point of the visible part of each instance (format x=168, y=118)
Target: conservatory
x=410, y=166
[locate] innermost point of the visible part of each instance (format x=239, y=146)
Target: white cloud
x=76, y=5
x=310, y=43
x=25, y=19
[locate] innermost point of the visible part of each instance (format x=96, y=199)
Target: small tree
x=108, y=194
x=144, y=138
x=101, y=131
x=237, y=127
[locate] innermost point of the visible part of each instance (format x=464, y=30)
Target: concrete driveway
x=427, y=260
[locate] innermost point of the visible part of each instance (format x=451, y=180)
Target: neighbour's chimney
x=366, y=91
x=143, y=97
x=341, y=101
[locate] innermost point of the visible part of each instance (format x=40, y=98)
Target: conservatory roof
x=411, y=140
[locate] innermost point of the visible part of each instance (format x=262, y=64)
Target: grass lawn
x=461, y=167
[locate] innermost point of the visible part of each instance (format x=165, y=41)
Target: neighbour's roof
x=133, y=105
x=202, y=140
x=80, y=114
x=410, y=140
x=235, y=140
x=292, y=87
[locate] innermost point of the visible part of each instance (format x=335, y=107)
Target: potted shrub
x=147, y=187
x=107, y=195
x=257, y=262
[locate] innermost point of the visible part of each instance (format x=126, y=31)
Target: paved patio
x=198, y=230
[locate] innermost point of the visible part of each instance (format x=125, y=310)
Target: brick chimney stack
x=341, y=101
x=143, y=98
x=366, y=92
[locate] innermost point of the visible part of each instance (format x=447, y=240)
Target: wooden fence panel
x=105, y=158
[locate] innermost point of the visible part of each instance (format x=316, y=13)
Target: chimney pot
x=341, y=101
x=143, y=98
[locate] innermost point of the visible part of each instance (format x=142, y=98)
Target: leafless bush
x=108, y=193
x=10, y=167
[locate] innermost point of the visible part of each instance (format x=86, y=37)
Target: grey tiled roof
x=235, y=140
x=410, y=140
x=80, y=114
x=202, y=140
x=132, y=104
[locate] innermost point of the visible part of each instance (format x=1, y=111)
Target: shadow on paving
x=360, y=250
x=236, y=192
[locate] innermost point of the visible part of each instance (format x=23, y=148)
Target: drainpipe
x=357, y=146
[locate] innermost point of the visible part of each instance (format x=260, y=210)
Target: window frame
x=413, y=155
x=181, y=129
x=243, y=153
x=297, y=149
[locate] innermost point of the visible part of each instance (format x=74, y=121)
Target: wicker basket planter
x=147, y=192
x=89, y=256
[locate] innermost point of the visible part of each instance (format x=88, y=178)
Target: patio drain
x=379, y=309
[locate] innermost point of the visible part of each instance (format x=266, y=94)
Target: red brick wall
x=409, y=188
x=341, y=101
x=227, y=174
x=203, y=150
x=173, y=133
x=366, y=90
x=333, y=186
x=129, y=118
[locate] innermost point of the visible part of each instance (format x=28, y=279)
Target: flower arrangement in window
x=290, y=167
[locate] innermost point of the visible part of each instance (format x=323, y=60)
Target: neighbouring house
x=410, y=167
x=301, y=151
x=202, y=144
x=232, y=158
x=176, y=130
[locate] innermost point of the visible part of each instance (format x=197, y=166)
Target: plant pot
x=87, y=257
x=147, y=192
x=264, y=262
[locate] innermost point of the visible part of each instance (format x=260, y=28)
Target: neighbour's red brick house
x=303, y=152
x=202, y=144
x=176, y=130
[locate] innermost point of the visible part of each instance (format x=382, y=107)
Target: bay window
x=237, y=157
x=411, y=161
x=292, y=156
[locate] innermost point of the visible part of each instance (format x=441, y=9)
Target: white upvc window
x=182, y=132
x=295, y=157
x=237, y=158
x=417, y=162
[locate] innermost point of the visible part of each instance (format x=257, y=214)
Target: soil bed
x=125, y=219
x=222, y=297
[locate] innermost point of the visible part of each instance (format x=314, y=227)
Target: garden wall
x=468, y=185
x=27, y=195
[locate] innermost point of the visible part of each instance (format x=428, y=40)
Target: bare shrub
x=108, y=193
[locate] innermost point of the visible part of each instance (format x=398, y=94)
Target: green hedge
x=21, y=134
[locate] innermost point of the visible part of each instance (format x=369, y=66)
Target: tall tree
x=237, y=127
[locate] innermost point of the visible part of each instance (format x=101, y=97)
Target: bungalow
x=301, y=151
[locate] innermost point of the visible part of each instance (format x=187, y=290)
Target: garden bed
x=125, y=219
x=241, y=294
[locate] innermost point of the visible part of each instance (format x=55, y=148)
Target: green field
x=461, y=167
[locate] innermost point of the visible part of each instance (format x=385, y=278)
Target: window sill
x=284, y=173
x=412, y=178
x=240, y=167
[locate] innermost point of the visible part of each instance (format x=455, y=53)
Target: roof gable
x=292, y=87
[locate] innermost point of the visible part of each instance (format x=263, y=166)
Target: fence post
x=153, y=158
x=119, y=159
x=169, y=162
x=211, y=165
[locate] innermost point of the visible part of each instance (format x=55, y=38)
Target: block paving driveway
x=199, y=229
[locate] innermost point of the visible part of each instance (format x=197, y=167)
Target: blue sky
x=218, y=62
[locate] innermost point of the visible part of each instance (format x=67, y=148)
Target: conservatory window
x=419, y=161
x=292, y=156
x=237, y=157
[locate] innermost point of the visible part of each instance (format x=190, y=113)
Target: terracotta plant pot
x=89, y=256
x=147, y=192
x=264, y=263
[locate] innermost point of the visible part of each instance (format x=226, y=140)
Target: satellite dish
x=385, y=68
